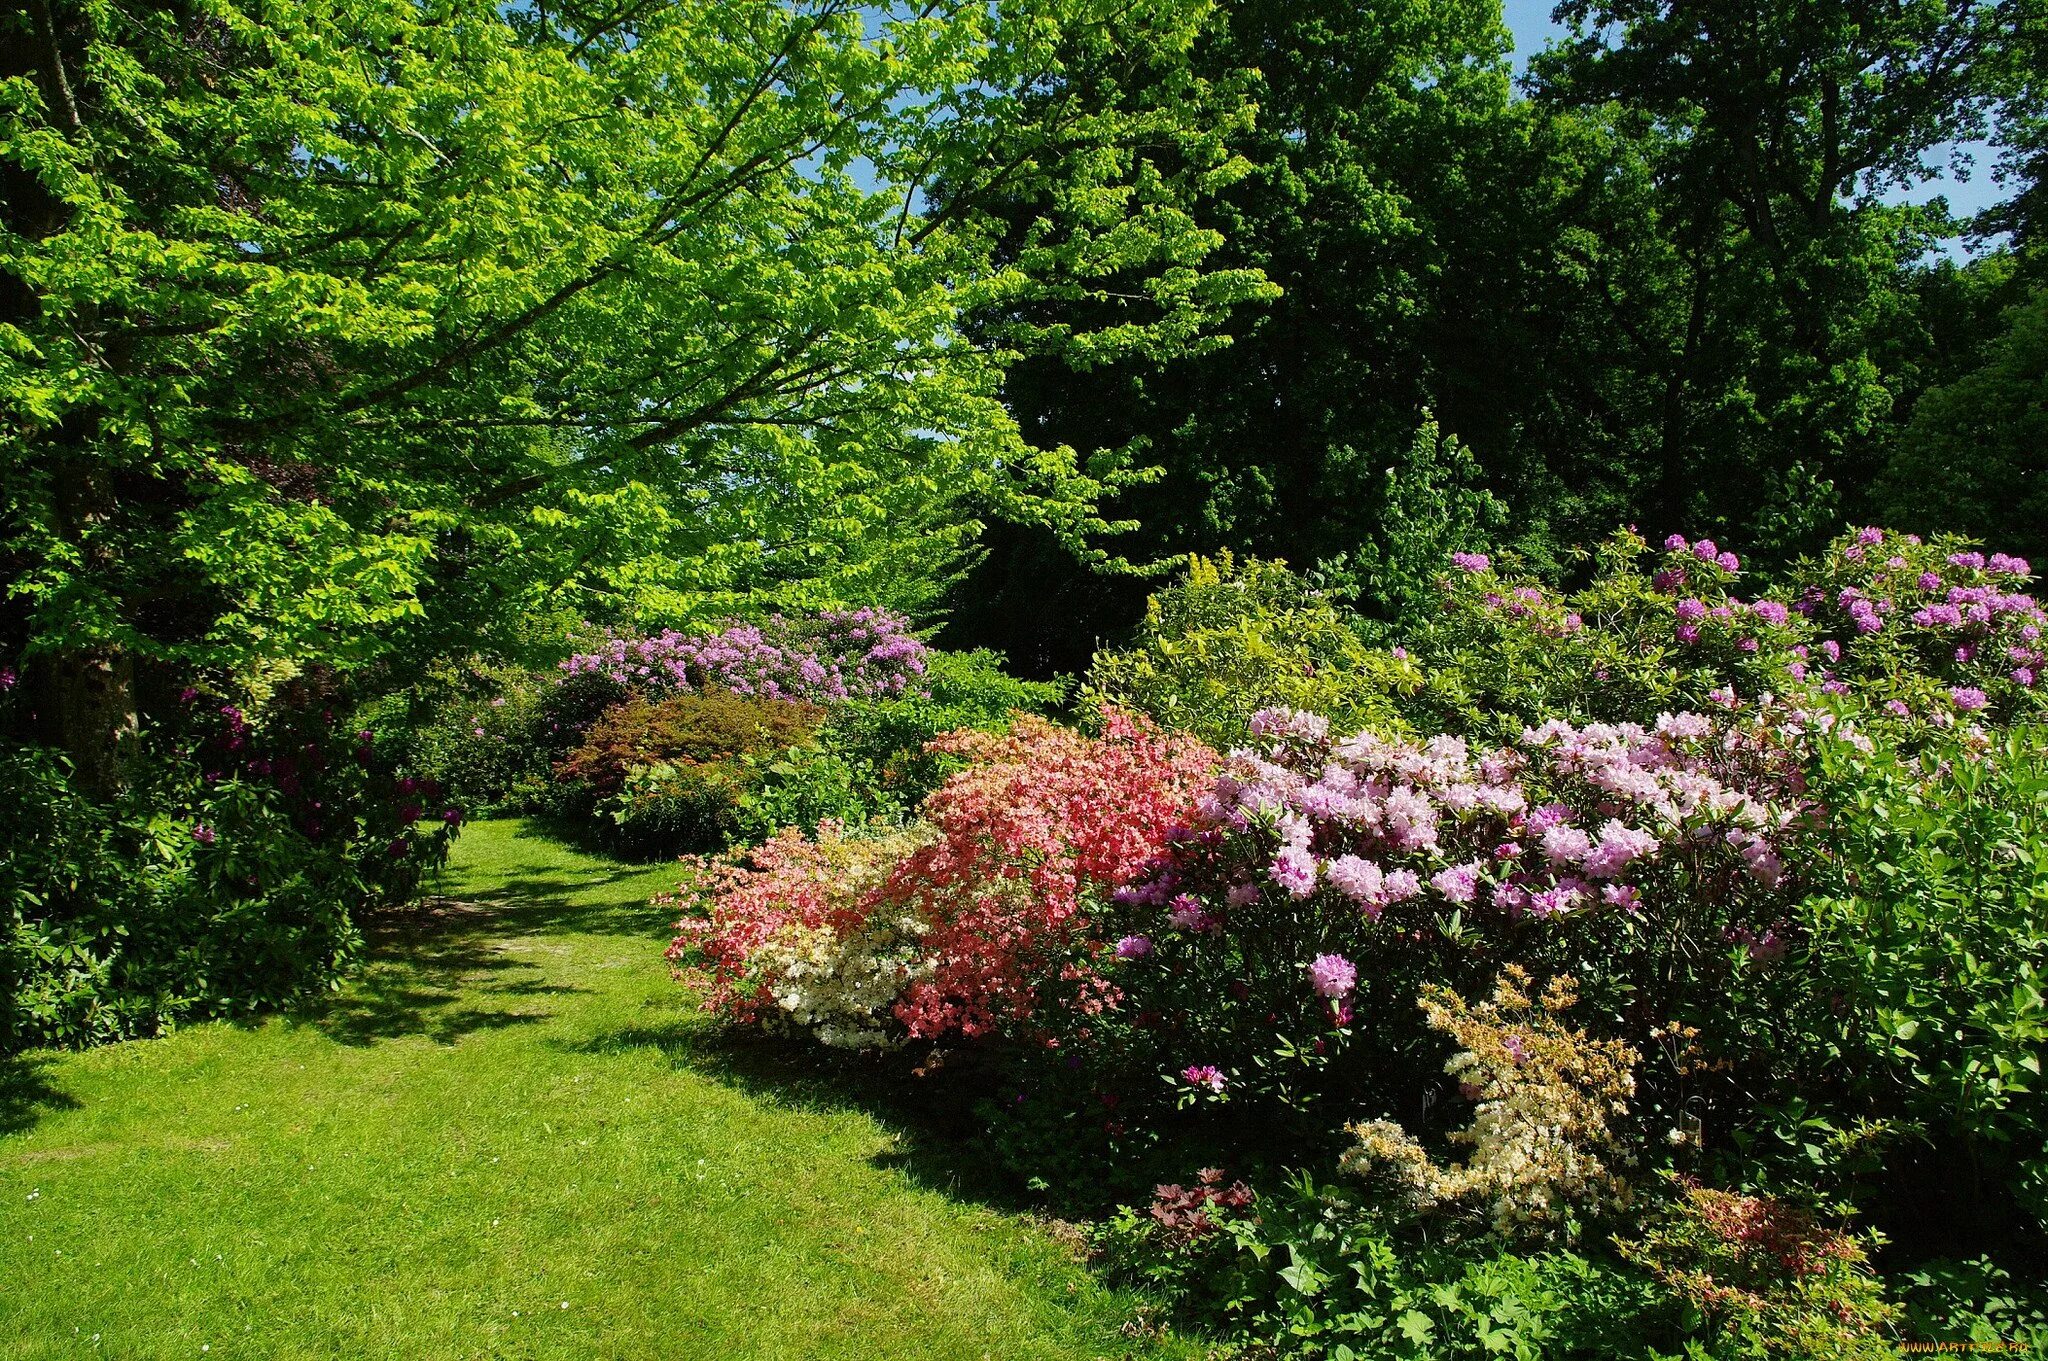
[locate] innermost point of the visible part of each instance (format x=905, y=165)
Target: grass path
x=511, y=1136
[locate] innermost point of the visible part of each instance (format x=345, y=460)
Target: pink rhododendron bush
x=1779, y=850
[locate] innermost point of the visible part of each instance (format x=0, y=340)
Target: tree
x=1974, y=456
x=340, y=331
x=1369, y=119
x=1770, y=130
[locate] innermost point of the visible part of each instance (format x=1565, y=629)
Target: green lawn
x=512, y=1136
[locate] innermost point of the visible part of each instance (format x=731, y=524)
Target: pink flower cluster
x=997, y=882
x=1567, y=820
x=834, y=655
x=1960, y=614
x=1041, y=816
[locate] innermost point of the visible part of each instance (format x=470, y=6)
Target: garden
x=1202, y=678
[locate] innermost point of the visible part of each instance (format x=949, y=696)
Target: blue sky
x=1529, y=21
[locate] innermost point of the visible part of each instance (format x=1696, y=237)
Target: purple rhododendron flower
x=1203, y=1075
x=1459, y=883
x=1294, y=869
x=1134, y=947
x=1332, y=975
x=1472, y=562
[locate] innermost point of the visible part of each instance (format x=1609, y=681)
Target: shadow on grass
x=540, y=905
x=25, y=1093
x=438, y=970
x=941, y=1139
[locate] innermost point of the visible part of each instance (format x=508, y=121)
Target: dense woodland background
x=353, y=334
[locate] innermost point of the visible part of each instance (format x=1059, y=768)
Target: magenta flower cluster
x=834, y=655
x=1568, y=820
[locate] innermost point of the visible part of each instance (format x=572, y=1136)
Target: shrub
x=1933, y=631
x=1916, y=996
x=227, y=877
x=489, y=736
x=802, y=786
x=1040, y=818
x=1765, y=1276
x=833, y=655
x=1234, y=638
x=1305, y=1270
x=1631, y=855
x=892, y=737
x=788, y=935
x=667, y=807
x=714, y=726
x=1542, y=1149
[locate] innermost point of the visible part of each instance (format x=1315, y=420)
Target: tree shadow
x=25, y=1093
x=436, y=970
x=941, y=1142
x=540, y=905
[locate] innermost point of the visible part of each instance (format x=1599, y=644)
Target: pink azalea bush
x=974, y=914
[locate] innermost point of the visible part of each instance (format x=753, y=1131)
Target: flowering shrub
x=790, y=933
x=991, y=895
x=834, y=655
x=1931, y=630
x=1542, y=1150
x=1041, y=819
x=1321, y=882
x=1770, y=1279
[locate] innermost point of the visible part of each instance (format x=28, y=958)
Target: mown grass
x=511, y=1136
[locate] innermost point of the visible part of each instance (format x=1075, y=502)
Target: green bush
x=225, y=878
x=1232, y=638
x=489, y=736
x=887, y=737
x=1305, y=1271
x=801, y=786
x=1915, y=1009
x=671, y=807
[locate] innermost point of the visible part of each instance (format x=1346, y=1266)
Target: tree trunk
x=92, y=716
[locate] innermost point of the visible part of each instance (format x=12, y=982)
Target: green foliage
x=1974, y=1301
x=1308, y=1272
x=1433, y=504
x=963, y=690
x=657, y=777
x=803, y=785
x=664, y=808
x=1504, y=650
x=1235, y=637
x=1924, y=975
x=1762, y=1278
x=334, y=332
x=1970, y=457
x=196, y=894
